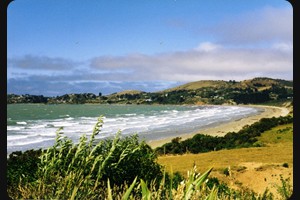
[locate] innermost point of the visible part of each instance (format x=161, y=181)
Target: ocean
x=34, y=126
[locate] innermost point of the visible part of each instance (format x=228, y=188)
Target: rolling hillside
x=255, y=168
x=252, y=91
x=259, y=83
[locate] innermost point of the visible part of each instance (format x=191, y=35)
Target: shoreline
x=232, y=126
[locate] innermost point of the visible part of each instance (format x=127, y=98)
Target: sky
x=57, y=47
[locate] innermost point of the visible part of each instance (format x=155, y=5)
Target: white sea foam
x=14, y=128
x=16, y=137
x=152, y=124
x=22, y=123
x=130, y=114
x=27, y=141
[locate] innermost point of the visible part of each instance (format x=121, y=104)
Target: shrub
x=246, y=137
x=226, y=171
x=129, y=160
x=80, y=170
x=22, y=165
x=286, y=165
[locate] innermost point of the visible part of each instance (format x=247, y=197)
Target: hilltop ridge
x=259, y=82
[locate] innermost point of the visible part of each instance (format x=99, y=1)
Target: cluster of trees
x=203, y=143
x=74, y=98
x=66, y=98
x=254, y=96
x=13, y=98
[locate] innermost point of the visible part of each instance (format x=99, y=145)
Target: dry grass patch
x=199, y=84
x=278, y=154
x=256, y=168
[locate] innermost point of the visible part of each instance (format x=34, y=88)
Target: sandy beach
x=222, y=129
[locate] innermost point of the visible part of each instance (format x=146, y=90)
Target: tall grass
x=82, y=171
x=113, y=169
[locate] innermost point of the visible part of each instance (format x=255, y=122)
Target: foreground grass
x=111, y=169
x=127, y=169
x=277, y=151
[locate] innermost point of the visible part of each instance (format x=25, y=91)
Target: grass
x=277, y=150
x=75, y=171
x=198, y=84
x=223, y=158
x=81, y=171
x=278, y=135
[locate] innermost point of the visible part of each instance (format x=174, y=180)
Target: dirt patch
x=257, y=176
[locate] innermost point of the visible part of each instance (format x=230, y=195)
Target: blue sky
x=56, y=47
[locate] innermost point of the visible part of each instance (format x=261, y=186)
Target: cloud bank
x=206, y=62
x=257, y=44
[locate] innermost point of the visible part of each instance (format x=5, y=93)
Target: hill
x=129, y=92
x=198, y=85
x=259, y=83
x=252, y=91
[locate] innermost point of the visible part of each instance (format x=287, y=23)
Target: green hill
x=260, y=83
x=198, y=85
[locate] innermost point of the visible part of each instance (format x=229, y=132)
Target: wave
x=14, y=128
x=153, y=123
x=24, y=142
x=63, y=116
x=21, y=123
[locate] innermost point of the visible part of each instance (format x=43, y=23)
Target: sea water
x=34, y=126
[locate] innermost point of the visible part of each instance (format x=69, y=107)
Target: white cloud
x=29, y=62
x=196, y=65
x=283, y=46
x=258, y=43
x=266, y=25
x=207, y=46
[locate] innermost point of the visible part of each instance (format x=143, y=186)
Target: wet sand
x=222, y=129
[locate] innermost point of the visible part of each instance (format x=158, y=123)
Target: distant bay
x=33, y=126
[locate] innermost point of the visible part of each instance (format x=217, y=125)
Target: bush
x=246, y=137
x=130, y=159
x=22, y=166
x=286, y=165
x=82, y=170
x=226, y=171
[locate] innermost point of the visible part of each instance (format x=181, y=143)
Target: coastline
x=232, y=126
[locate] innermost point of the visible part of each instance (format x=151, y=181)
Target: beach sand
x=222, y=129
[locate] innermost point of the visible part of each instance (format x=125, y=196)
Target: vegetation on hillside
x=254, y=91
x=246, y=137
